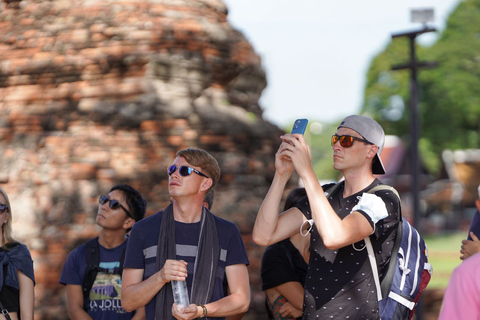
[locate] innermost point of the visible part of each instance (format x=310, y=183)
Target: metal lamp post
x=424, y=16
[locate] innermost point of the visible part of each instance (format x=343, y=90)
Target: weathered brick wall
x=94, y=93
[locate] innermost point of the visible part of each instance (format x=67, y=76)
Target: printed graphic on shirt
x=106, y=291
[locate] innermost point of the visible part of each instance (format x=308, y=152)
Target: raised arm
x=335, y=232
x=269, y=227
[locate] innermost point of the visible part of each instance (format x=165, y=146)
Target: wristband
x=204, y=315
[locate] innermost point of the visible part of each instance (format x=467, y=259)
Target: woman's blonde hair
x=7, y=227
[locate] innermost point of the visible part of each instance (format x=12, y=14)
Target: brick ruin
x=94, y=93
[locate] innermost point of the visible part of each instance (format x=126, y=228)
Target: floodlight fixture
x=422, y=15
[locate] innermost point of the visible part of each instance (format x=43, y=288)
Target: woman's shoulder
x=13, y=244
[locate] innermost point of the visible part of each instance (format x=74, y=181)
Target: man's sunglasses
x=113, y=204
x=184, y=171
x=3, y=208
x=347, y=141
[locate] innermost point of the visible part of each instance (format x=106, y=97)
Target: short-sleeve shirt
x=340, y=283
x=142, y=251
x=282, y=263
x=461, y=300
x=104, y=301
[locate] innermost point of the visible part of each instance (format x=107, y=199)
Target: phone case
x=299, y=126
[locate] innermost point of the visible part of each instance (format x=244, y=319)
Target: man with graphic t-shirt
x=185, y=241
x=117, y=213
x=339, y=283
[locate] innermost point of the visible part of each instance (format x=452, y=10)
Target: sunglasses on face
x=3, y=208
x=113, y=204
x=347, y=141
x=184, y=171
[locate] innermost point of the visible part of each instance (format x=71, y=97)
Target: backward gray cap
x=371, y=131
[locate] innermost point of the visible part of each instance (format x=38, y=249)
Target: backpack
x=408, y=272
x=92, y=250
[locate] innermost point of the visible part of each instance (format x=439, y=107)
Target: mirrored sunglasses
x=113, y=204
x=346, y=141
x=184, y=171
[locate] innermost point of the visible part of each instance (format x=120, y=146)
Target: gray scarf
x=206, y=261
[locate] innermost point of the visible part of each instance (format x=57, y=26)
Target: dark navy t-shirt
x=104, y=300
x=142, y=251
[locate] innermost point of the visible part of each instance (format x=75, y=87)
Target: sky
x=316, y=53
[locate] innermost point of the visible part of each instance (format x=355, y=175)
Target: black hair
x=135, y=202
x=294, y=197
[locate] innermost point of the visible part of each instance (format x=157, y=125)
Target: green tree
x=449, y=107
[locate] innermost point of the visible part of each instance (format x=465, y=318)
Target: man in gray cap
x=340, y=283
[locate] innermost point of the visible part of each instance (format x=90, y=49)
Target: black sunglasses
x=113, y=204
x=3, y=208
x=346, y=141
x=184, y=171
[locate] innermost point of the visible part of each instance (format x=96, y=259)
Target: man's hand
x=174, y=270
x=296, y=149
x=470, y=247
x=283, y=163
x=187, y=313
x=288, y=310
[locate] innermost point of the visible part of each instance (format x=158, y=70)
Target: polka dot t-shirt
x=339, y=283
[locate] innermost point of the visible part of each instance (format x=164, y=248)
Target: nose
x=175, y=174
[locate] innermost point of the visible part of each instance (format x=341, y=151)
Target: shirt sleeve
x=461, y=300
x=134, y=256
x=236, y=252
x=392, y=203
x=276, y=267
x=73, y=270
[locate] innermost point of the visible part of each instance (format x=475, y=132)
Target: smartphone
x=299, y=126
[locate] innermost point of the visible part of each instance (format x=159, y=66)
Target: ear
x=372, y=151
x=206, y=184
x=477, y=204
x=128, y=223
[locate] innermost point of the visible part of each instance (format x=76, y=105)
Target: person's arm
x=269, y=228
x=288, y=310
x=136, y=292
x=470, y=247
x=139, y=314
x=335, y=232
x=236, y=302
x=293, y=292
x=27, y=297
x=75, y=303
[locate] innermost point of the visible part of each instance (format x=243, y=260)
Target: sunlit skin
x=294, y=154
x=187, y=194
x=25, y=283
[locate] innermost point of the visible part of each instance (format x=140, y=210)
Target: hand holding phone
x=299, y=126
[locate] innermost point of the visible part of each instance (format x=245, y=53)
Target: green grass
x=444, y=255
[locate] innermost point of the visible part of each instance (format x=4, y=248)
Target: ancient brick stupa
x=94, y=93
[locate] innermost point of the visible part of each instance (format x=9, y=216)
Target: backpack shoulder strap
x=332, y=189
x=92, y=251
x=384, y=187
x=385, y=285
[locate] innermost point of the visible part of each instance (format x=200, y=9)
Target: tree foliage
x=449, y=100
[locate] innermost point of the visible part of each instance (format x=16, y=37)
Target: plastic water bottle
x=180, y=294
